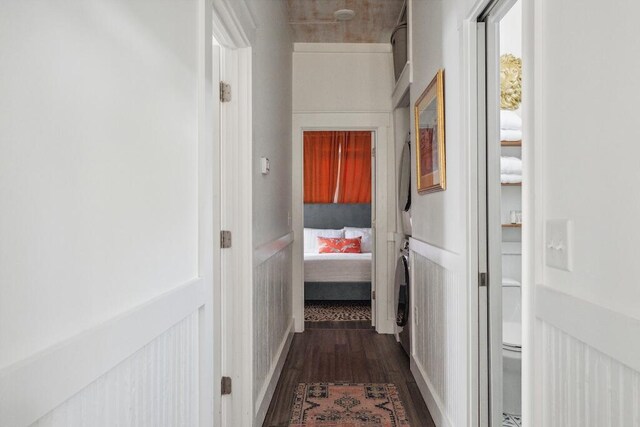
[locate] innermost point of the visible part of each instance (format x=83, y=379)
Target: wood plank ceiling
x=313, y=21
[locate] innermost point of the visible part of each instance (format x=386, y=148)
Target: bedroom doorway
x=339, y=237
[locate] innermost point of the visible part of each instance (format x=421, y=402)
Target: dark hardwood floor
x=345, y=324
x=336, y=354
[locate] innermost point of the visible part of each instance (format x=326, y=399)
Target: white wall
x=99, y=173
x=98, y=165
x=271, y=324
x=440, y=223
x=272, y=97
x=341, y=77
x=348, y=86
x=511, y=31
x=586, y=155
x=439, y=218
x=597, y=306
x=594, y=192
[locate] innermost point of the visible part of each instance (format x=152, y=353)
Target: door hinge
x=482, y=280
x=225, y=239
x=373, y=295
x=225, y=386
x=373, y=152
x=225, y=92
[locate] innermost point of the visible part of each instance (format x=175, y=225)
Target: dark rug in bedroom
x=337, y=311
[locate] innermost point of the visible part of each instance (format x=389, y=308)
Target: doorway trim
x=233, y=28
x=485, y=327
x=380, y=125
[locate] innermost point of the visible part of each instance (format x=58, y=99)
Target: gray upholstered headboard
x=337, y=215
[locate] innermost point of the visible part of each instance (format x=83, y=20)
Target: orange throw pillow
x=339, y=245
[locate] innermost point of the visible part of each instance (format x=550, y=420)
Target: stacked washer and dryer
x=403, y=265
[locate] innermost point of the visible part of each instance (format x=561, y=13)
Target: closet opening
x=500, y=196
x=339, y=236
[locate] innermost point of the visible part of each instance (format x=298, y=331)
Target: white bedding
x=337, y=267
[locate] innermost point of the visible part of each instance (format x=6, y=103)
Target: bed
x=337, y=267
x=337, y=276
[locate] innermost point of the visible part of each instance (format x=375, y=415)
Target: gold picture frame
x=430, y=138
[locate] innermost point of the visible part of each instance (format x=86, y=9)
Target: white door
x=489, y=214
x=109, y=214
x=216, y=321
x=493, y=220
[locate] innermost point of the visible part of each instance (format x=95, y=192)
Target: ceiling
x=312, y=21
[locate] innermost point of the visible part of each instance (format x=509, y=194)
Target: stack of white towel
x=510, y=170
x=510, y=126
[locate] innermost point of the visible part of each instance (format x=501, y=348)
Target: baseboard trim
x=266, y=393
x=434, y=404
x=34, y=386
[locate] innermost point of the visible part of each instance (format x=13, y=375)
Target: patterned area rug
x=509, y=420
x=347, y=405
x=331, y=311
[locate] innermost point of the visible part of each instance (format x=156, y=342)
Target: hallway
x=346, y=355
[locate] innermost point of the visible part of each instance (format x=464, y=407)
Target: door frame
x=372, y=217
x=380, y=125
x=481, y=38
x=233, y=27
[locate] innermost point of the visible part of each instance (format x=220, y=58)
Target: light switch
x=265, y=167
x=558, y=244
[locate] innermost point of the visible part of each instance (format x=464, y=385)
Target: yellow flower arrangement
x=510, y=82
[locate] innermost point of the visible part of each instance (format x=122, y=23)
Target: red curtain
x=321, y=161
x=355, y=168
x=337, y=167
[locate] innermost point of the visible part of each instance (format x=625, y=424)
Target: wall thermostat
x=265, y=167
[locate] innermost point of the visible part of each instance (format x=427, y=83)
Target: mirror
x=404, y=187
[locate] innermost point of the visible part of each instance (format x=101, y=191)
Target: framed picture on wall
x=430, y=142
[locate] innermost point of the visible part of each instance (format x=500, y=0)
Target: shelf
x=511, y=143
x=511, y=225
x=511, y=184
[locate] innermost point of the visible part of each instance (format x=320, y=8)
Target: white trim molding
x=269, y=387
x=72, y=365
x=435, y=405
x=590, y=323
x=262, y=253
x=447, y=259
x=342, y=47
x=237, y=202
x=233, y=24
x=381, y=124
x=234, y=28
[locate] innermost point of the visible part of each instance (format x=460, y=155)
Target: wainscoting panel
x=588, y=363
x=439, y=347
x=582, y=386
x=156, y=386
x=272, y=323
